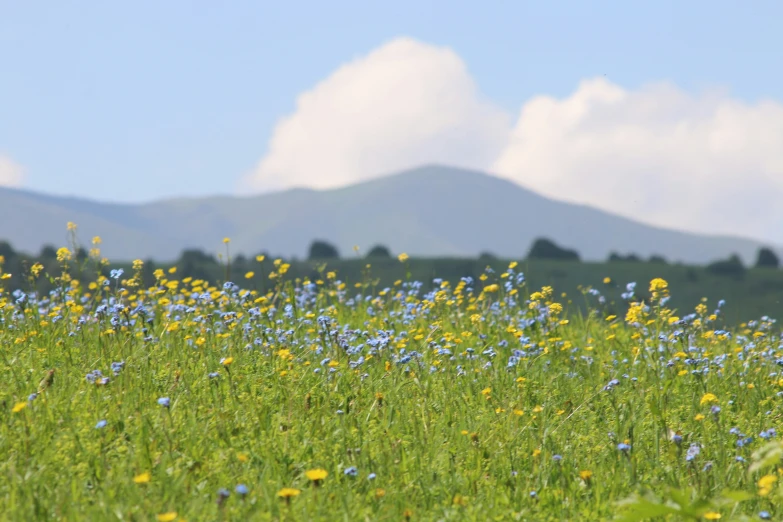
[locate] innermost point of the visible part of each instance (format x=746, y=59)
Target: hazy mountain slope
x=431, y=210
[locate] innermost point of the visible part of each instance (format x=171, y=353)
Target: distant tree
x=196, y=256
x=660, y=260
x=487, y=256
x=81, y=254
x=379, y=251
x=630, y=258
x=48, y=252
x=732, y=267
x=543, y=248
x=322, y=250
x=6, y=250
x=767, y=258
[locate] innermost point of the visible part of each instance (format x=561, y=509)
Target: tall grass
x=476, y=401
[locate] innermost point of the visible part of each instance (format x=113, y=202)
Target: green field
x=301, y=397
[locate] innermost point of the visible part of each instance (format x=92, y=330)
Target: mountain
x=427, y=211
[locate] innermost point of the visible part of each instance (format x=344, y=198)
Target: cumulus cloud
x=11, y=173
x=704, y=162
x=402, y=105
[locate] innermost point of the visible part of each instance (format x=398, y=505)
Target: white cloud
x=11, y=173
x=706, y=163
x=402, y=105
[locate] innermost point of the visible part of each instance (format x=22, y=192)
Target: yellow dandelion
x=167, y=517
x=19, y=406
x=403, y=257
x=712, y=515
x=607, y=280
x=287, y=493
x=142, y=478
x=317, y=474
x=227, y=361
x=250, y=275
x=585, y=474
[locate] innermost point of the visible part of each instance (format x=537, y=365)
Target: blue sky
x=137, y=101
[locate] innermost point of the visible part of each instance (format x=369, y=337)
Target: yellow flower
x=607, y=280
x=71, y=225
x=288, y=493
x=765, y=484
x=167, y=517
x=585, y=474
x=63, y=254
x=512, y=265
x=250, y=275
x=96, y=240
x=658, y=284
x=712, y=515
x=486, y=391
x=699, y=417
x=226, y=240
x=227, y=361
x=142, y=478
x=19, y=406
x=316, y=474
x=260, y=258
x=707, y=398
x=403, y=257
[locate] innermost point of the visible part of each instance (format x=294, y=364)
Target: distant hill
x=428, y=211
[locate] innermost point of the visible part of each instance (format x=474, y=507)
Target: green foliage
x=767, y=258
x=543, y=248
x=322, y=250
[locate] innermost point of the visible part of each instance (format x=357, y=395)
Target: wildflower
x=226, y=361
x=167, y=517
x=765, y=484
x=586, y=475
x=250, y=275
x=142, y=478
x=557, y=458
x=316, y=475
x=222, y=496
x=533, y=494
x=19, y=406
x=693, y=452
x=101, y=424
x=371, y=476
x=403, y=257
x=165, y=402
x=351, y=472
x=707, y=398
x=214, y=375
x=712, y=515
x=625, y=448
x=764, y=515
x=288, y=493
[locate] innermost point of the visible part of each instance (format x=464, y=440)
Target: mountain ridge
x=432, y=210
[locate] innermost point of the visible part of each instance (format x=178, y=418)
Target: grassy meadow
x=313, y=398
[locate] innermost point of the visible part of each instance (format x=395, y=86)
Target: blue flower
x=101, y=424
x=557, y=458
x=351, y=472
x=625, y=448
x=764, y=515
x=241, y=489
x=165, y=402
x=371, y=476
